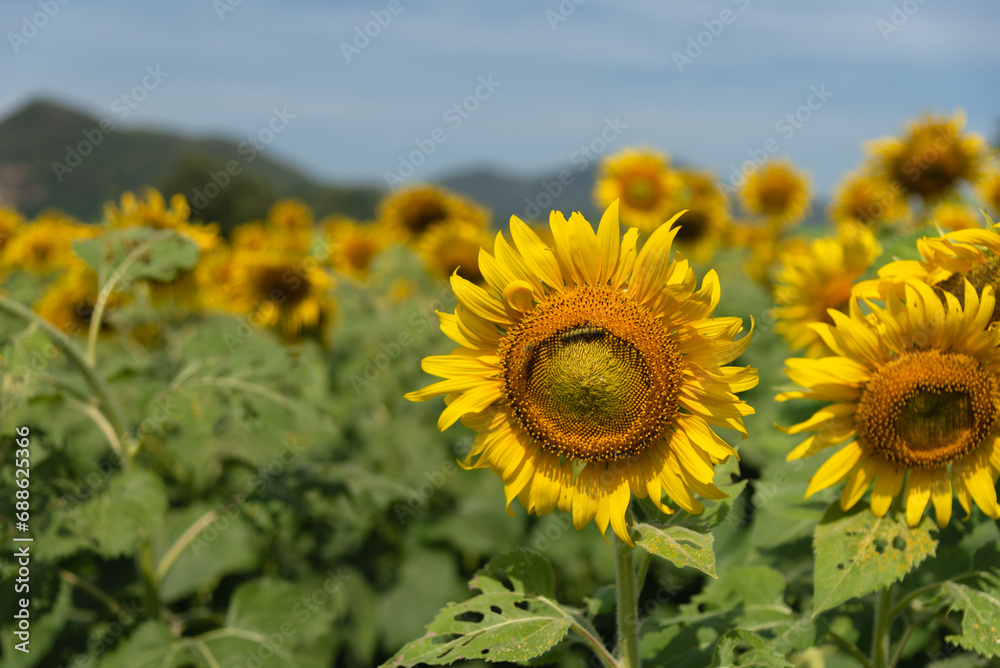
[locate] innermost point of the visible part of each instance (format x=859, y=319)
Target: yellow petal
x=887, y=486
x=478, y=301
x=652, y=265
x=856, y=485
x=536, y=255
x=941, y=496
x=472, y=401
x=918, y=493
x=835, y=468
x=609, y=240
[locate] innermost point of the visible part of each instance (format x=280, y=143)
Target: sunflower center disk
x=641, y=192
x=591, y=375
x=925, y=409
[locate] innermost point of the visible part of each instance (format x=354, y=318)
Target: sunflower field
x=694, y=432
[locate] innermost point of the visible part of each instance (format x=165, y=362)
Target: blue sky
x=560, y=71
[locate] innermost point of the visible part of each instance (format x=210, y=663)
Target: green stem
x=96, y=592
x=177, y=549
x=144, y=562
x=897, y=655
x=113, y=412
x=850, y=647
x=595, y=645
x=880, y=635
x=102, y=297
x=628, y=606
x=904, y=603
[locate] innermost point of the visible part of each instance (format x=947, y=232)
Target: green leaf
x=227, y=545
x=981, y=621
x=728, y=651
x=150, y=646
x=512, y=620
x=428, y=580
x=529, y=572
x=162, y=256
x=678, y=647
x=120, y=518
x=269, y=621
x=680, y=545
x=265, y=606
x=858, y=553
x=23, y=357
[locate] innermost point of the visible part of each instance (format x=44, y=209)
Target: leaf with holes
x=139, y=252
x=858, y=553
x=514, y=619
x=740, y=647
x=981, y=622
x=680, y=545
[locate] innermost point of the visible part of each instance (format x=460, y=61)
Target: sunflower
x=252, y=237
x=952, y=216
x=69, y=302
x=411, y=212
x=454, y=246
x=592, y=372
x=861, y=199
x=911, y=389
x=932, y=158
x=45, y=245
x=706, y=217
x=10, y=221
x=777, y=191
x=279, y=291
x=989, y=193
x=644, y=185
x=290, y=224
x=946, y=263
x=352, y=246
x=819, y=279
x=214, y=277
x=152, y=211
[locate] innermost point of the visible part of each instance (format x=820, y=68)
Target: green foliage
x=858, y=553
x=119, y=519
x=981, y=618
x=680, y=545
x=513, y=619
x=285, y=506
x=138, y=253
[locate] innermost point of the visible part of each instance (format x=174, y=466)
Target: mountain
x=55, y=157
x=531, y=199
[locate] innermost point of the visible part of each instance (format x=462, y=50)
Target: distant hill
x=51, y=156
x=528, y=198
x=54, y=157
